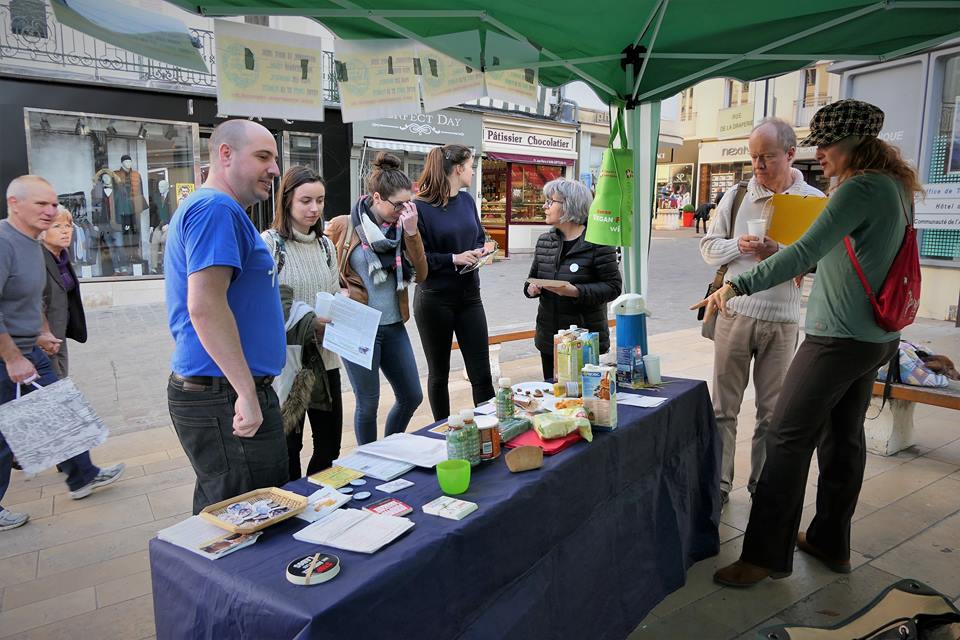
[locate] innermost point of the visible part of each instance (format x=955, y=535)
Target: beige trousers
x=738, y=340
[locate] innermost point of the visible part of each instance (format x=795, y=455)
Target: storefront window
x=944, y=244
x=674, y=186
x=302, y=149
x=720, y=178
x=526, y=186
x=121, y=179
x=493, y=195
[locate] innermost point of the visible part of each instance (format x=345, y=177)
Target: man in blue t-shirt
x=223, y=305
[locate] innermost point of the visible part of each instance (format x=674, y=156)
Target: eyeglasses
x=549, y=202
x=397, y=206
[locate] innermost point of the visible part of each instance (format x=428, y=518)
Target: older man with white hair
x=762, y=327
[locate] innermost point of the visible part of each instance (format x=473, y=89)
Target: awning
x=516, y=157
x=399, y=145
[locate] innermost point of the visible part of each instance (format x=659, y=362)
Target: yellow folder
x=792, y=216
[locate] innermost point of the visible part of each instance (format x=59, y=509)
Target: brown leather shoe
x=743, y=574
x=835, y=565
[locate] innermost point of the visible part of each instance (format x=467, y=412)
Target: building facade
x=123, y=139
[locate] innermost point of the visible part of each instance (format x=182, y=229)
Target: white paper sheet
x=647, y=402
x=321, y=503
x=352, y=331
x=374, y=466
x=354, y=530
x=410, y=448
x=194, y=533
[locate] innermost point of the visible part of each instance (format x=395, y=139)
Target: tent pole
x=643, y=133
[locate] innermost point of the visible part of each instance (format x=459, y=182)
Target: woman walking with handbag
x=831, y=377
x=307, y=263
x=381, y=254
x=449, y=301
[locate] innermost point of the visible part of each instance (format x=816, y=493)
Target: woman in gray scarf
x=380, y=254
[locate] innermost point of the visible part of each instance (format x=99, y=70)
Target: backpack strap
x=279, y=250
x=344, y=247
x=737, y=201
x=856, y=267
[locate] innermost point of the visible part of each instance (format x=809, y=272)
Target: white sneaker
x=105, y=477
x=12, y=520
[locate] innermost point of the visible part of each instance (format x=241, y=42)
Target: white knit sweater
x=308, y=270
x=777, y=304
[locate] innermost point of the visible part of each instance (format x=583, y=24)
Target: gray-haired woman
x=590, y=272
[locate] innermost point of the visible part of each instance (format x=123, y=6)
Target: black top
x=592, y=268
x=445, y=231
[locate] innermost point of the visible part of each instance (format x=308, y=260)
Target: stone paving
x=79, y=569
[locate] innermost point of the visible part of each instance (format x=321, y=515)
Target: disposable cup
x=651, y=365
x=453, y=476
x=757, y=227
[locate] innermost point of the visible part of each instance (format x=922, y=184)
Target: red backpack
x=899, y=299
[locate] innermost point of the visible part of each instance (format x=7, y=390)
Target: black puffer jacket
x=593, y=269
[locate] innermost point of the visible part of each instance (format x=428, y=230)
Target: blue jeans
x=79, y=469
x=393, y=354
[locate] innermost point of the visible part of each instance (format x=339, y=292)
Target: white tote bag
x=50, y=425
x=284, y=382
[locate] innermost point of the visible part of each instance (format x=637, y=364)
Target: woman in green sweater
x=831, y=377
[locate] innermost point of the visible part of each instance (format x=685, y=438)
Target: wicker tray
x=295, y=501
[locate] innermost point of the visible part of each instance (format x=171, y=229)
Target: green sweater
x=867, y=208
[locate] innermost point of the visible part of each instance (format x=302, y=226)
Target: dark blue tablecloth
x=582, y=548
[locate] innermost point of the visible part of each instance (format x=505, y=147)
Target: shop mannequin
x=162, y=206
x=130, y=201
x=106, y=220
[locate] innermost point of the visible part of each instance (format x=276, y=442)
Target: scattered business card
x=394, y=485
x=389, y=507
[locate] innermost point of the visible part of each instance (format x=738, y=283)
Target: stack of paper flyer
x=452, y=508
x=205, y=539
x=374, y=466
x=354, y=530
x=409, y=448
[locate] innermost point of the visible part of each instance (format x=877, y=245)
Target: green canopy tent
x=636, y=54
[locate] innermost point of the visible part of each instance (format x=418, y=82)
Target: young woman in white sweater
x=309, y=266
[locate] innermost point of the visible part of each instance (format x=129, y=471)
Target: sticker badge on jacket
x=574, y=267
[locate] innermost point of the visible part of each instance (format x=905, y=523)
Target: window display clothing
x=162, y=207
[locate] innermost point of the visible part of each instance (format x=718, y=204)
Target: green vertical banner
x=610, y=217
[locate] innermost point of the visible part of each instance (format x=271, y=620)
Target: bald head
x=21, y=187
x=236, y=134
x=243, y=161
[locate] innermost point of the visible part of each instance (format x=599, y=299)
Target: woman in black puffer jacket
x=590, y=271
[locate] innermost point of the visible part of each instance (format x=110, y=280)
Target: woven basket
x=295, y=501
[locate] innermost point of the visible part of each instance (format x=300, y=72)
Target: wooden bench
x=892, y=430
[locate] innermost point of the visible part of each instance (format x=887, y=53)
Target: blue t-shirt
x=211, y=229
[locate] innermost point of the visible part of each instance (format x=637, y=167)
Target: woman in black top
x=590, y=271
x=448, y=301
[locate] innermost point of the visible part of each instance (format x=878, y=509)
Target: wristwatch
x=736, y=290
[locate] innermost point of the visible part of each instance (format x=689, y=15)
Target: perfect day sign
x=268, y=73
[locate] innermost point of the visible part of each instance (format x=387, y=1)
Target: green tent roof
x=680, y=42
